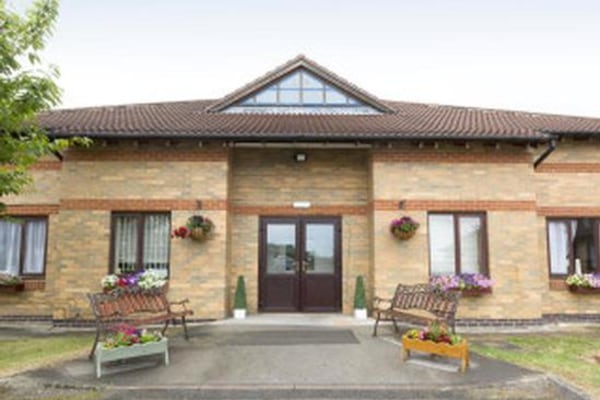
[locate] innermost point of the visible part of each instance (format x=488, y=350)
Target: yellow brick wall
x=461, y=180
x=92, y=183
x=566, y=191
x=363, y=187
x=265, y=182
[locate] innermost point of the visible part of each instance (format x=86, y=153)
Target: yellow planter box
x=460, y=351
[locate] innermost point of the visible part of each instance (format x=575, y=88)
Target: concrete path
x=291, y=356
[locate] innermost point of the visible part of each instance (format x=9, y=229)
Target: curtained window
x=457, y=243
x=140, y=242
x=573, y=246
x=23, y=246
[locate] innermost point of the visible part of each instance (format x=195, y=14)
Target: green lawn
x=572, y=356
x=21, y=354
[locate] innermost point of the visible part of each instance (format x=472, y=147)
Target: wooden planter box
x=460, y=351
x=19, y=287
x=102, y=355
x=584, y=290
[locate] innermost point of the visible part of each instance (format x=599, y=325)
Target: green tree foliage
x=360, y=300
x=27, y=87
x=240, y=294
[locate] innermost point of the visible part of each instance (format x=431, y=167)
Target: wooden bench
x=417, y=304
x=137, y=308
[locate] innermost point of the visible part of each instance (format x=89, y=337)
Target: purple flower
x=462, y=281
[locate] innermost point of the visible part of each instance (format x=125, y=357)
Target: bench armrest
x=382, y=303
x=181, y=305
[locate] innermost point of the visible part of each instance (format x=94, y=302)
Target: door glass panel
x=319, y=253
x=281, y=248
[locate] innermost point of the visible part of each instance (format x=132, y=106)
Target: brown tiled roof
x=410, y=121
x=398, y=120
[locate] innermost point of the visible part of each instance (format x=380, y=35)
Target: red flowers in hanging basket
x=197, y=227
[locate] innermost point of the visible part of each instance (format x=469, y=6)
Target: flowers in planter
x=477, y=282
x=584, y=281
x=10, y=280
x=11, y=283
x=404, y=227
x=197, y=227
x=143, y=280
x=435, y=332
x=127, y=335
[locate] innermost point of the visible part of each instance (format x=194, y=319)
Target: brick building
x=302, y=173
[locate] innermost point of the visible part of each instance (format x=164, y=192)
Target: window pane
x=156, y=243
x=281, y=248
x=558, y=236
x=312, y=97
x=126, y=235
x=441, y=244
x=268, y=96
x=310, y=82
x=290, y=82
x=470, y=245
x=584, y=245
x=319, y=247
x=289, y=96
x=35, y=247
x=333, y=96
x=10, y=247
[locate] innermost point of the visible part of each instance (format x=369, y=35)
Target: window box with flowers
x=436, y=339
x=404, y=228
x=11, y=283
x=584, y=283
x=126, y=341
x=470, y=285
x=197, y=228
x=145, y=281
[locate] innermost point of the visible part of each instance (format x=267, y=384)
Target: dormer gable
x=300, y=87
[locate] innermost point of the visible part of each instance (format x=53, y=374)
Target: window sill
x=558, y=284
x=34, y=284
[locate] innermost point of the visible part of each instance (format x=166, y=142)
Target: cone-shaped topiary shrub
x=240, y=294
x=360, y=300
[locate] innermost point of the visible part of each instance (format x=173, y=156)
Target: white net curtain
x=23, y=246
x=154, y=243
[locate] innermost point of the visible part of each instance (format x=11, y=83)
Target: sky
x=529, y=55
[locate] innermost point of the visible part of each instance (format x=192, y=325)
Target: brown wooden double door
x=300, y=264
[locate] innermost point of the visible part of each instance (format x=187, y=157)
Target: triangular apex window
x=301, y=92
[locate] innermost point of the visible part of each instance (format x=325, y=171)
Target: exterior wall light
x=300, y=157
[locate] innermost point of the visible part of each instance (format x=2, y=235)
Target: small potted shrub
x=239, y=302
x=360, y=301
x=403, y=228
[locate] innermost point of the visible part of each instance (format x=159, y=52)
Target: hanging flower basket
x=403, y=235
x=197, y=228
x=404, y=228
x=198, y=234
